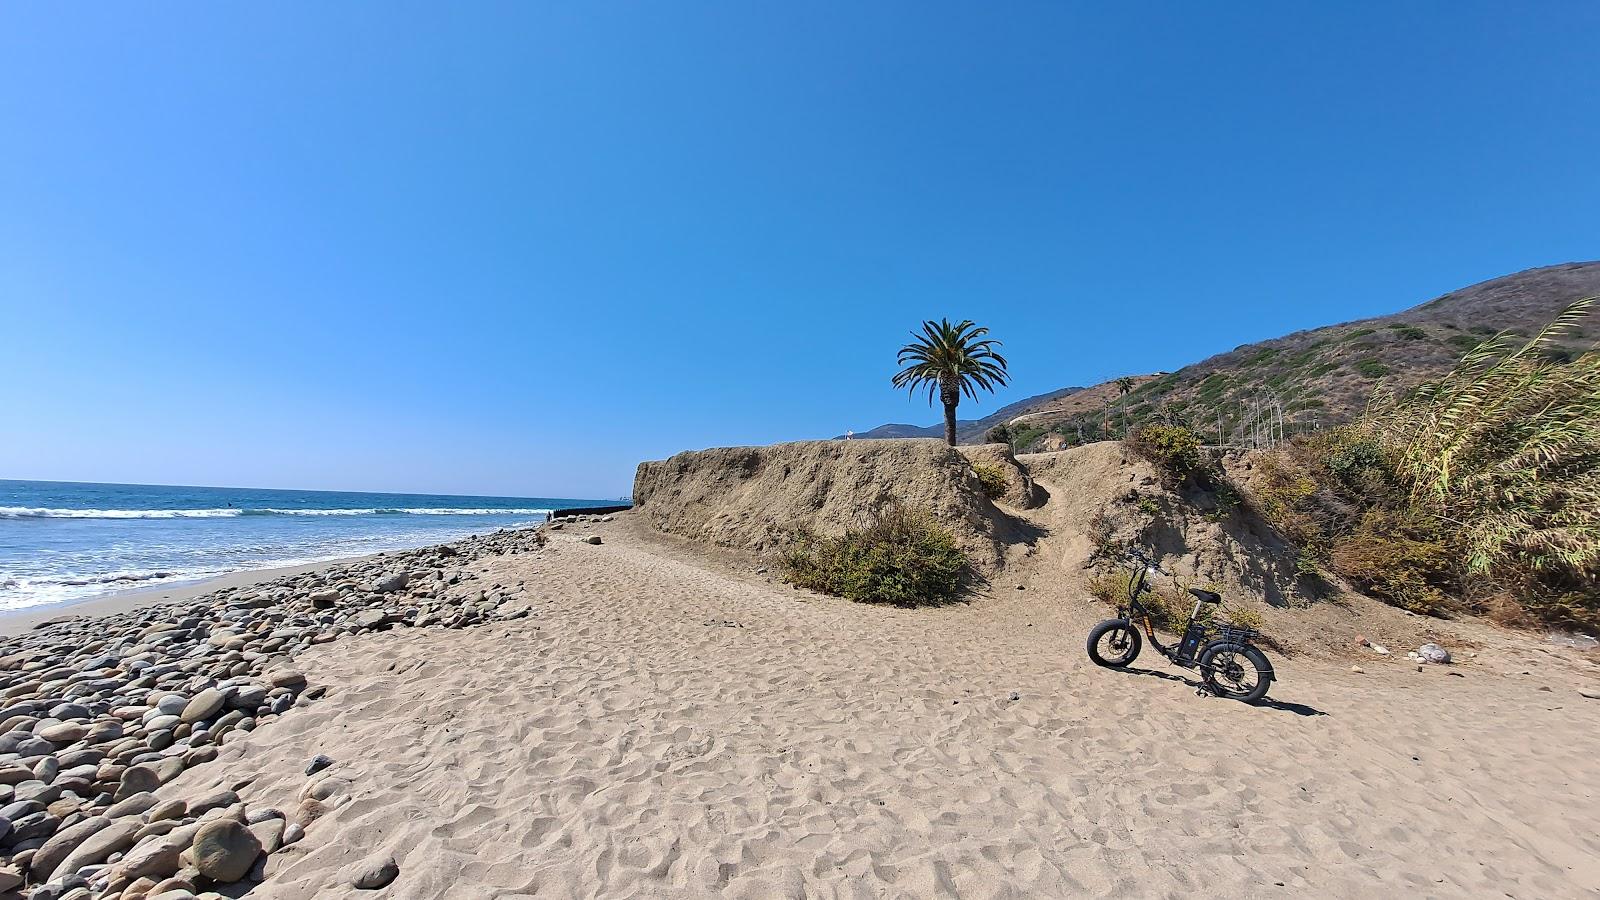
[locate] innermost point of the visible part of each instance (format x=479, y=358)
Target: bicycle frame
x=1135, y=612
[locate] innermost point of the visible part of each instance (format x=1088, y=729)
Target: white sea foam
x=23, y=591
x=40, y=512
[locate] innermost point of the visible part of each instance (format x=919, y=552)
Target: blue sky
x=515, y=249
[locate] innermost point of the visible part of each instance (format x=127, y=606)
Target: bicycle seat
x=1206, y=596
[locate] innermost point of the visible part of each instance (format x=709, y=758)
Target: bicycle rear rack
x=1237, y=633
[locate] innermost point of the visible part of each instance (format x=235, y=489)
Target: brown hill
x=1319, y=377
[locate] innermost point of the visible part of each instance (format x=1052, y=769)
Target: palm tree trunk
x=951, y=395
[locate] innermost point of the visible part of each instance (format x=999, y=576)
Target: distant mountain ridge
x=1317, y=377
x=968, y=431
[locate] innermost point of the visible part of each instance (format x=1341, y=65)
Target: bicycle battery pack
x=1190, y=645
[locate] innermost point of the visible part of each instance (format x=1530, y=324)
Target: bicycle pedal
x=1201, y=692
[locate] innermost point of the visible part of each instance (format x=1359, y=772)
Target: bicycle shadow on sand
x=1299, y=709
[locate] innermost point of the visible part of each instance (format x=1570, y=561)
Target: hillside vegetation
x=1479, y=491
x=1322, y=377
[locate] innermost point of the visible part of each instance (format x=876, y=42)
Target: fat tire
x=1258, y=659
x=1101, y=630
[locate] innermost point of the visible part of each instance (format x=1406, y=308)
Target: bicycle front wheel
x=1114, y=643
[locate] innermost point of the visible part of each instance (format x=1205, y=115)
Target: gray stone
x=391, y=583
x=270, y=833
x=11, y=812
x=153, y=859
x=224, y=850
x=374, y=619
x=67, y=712
x=374, y=873
x=137, y=780
x=221, y=799
x=1433, y=653
x=58, y=847
x=132, y=806
x=37, y=791
x=114, y=838
x=204, y=705
x=33, y=825
x=47, y=769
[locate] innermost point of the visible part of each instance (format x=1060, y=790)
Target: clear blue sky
x=514, y=249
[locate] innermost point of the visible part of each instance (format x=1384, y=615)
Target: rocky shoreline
x=97, y=713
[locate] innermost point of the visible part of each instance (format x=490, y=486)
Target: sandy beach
x=528, y=451
x=671, y=723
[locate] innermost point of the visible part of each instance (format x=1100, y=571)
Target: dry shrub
x=992, y=479
x=903, y=557
x=1395, y=559
x=1169, y=607
x=1175, y=450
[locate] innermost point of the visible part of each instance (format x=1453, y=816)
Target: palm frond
x=950, y=359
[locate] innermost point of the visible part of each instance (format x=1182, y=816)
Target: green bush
x=1212, y=387
x=1174, y=449
x=1000, y=434
x=903, y=557
x=1023, y=438
x=992, y=478
x=1371, y=368
x=1409, y=332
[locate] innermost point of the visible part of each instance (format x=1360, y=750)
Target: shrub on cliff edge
x=992, y=479
x=1174, y=449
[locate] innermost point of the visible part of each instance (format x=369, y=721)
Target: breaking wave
x=36, y=512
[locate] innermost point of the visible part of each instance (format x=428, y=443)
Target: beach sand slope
x=666, y=725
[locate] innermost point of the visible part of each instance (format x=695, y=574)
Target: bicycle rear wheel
x=1236, y=671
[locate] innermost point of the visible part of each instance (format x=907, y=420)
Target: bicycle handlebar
x=1140, y=557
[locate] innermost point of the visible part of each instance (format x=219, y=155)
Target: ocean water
x=63, y=541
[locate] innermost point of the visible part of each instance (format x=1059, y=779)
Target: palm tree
x=1124, y=388
x=950, y=359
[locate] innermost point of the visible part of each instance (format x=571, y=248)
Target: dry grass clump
x=1484, y=485
x=992, y=479
x=902, y=557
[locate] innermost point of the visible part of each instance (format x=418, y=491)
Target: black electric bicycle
x=1229, y=664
